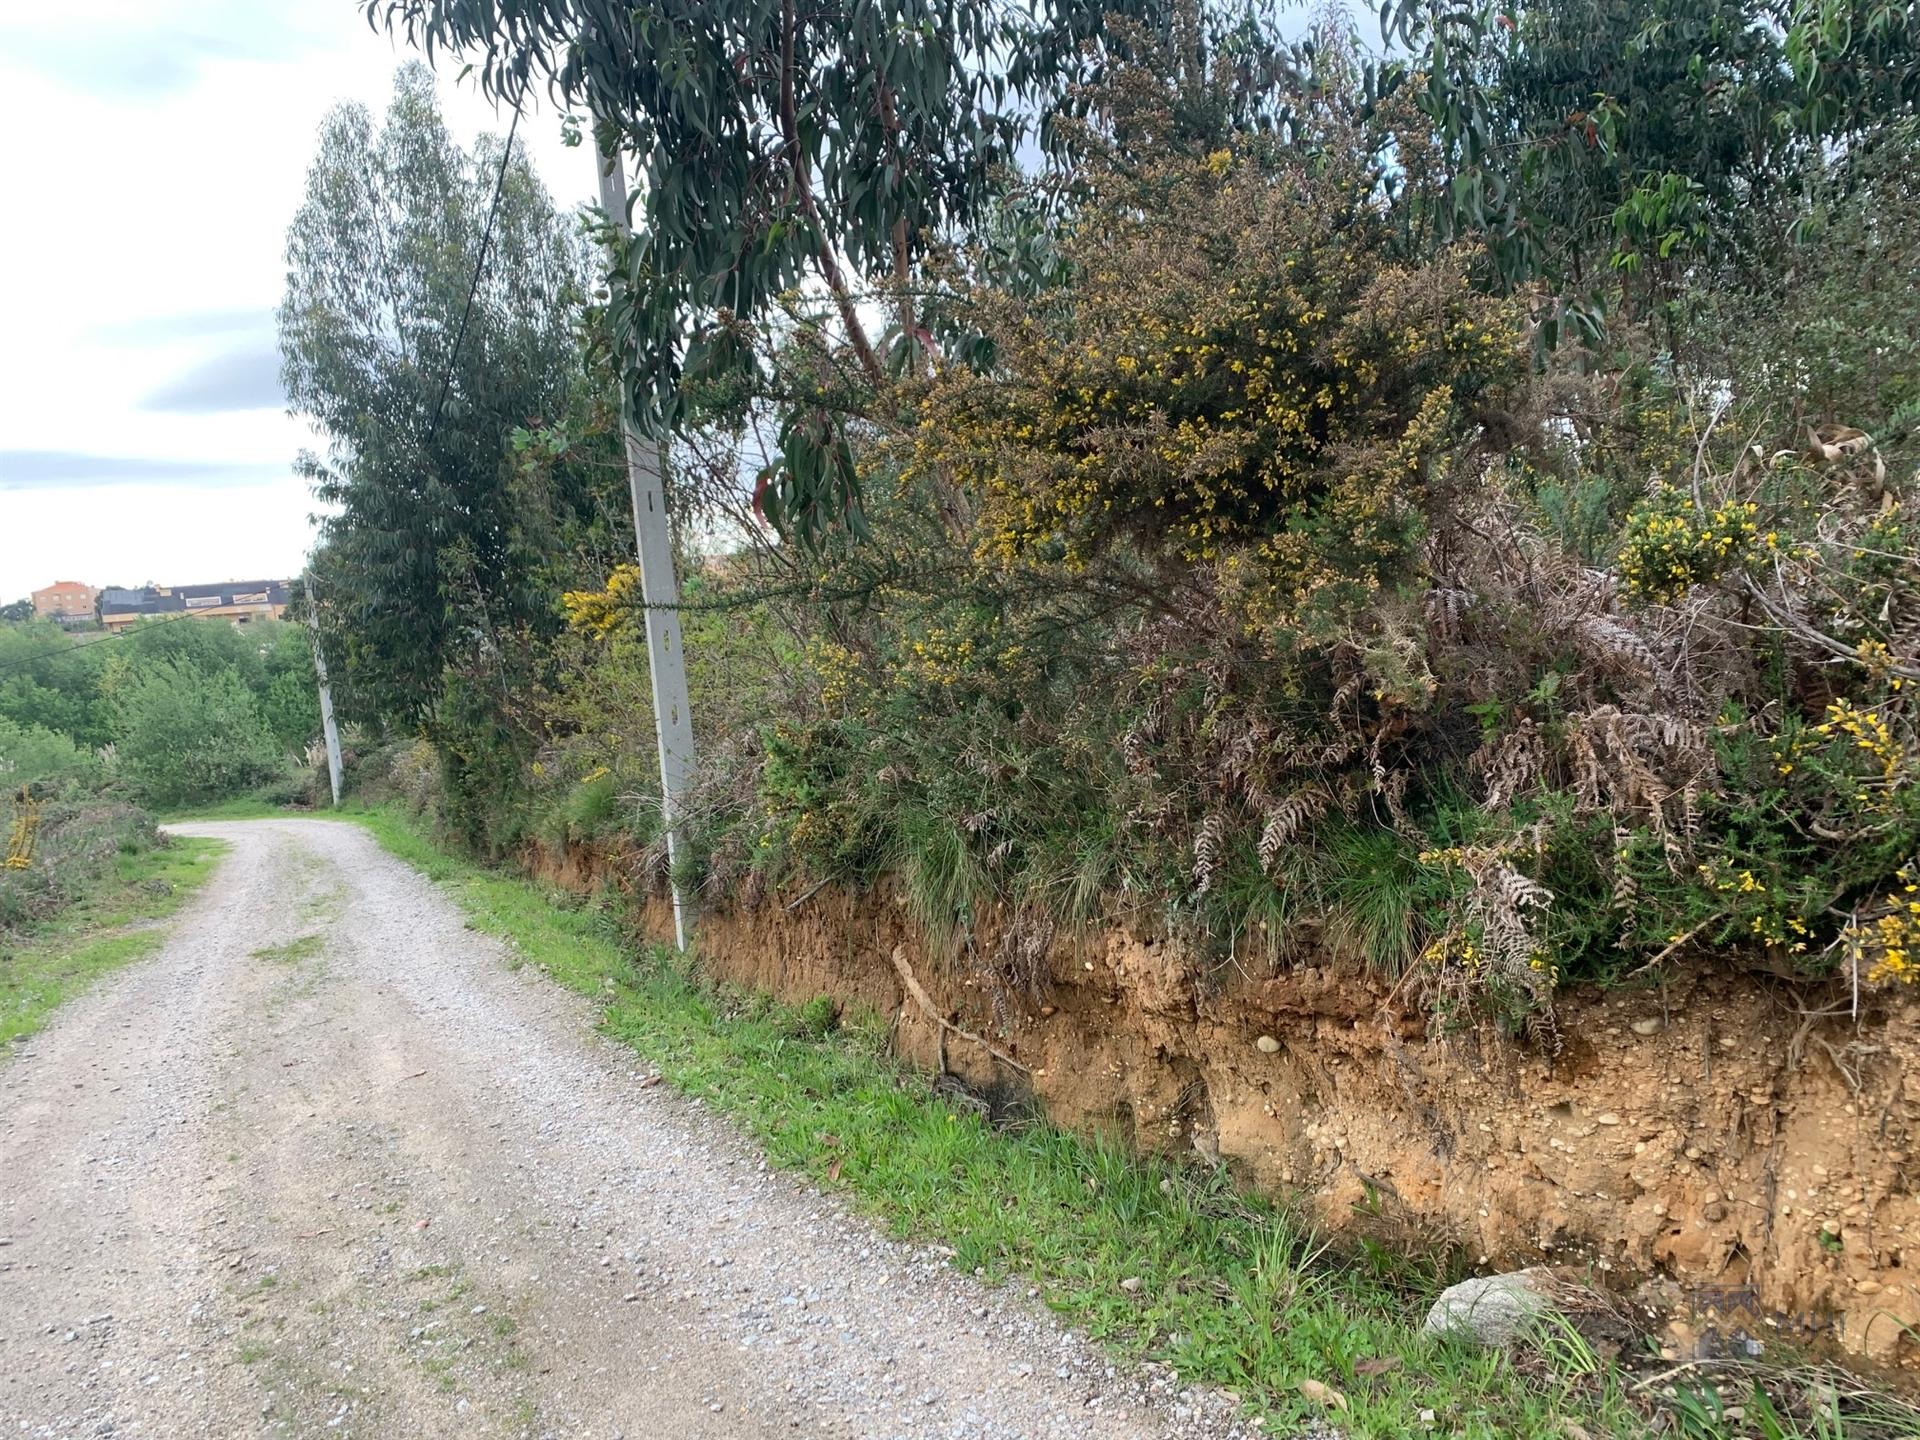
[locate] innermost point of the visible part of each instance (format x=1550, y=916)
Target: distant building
x=67, y=601
x=239, y=601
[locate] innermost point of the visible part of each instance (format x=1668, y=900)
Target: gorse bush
x=1242, y=375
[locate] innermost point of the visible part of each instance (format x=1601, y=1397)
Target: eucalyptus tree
x=417, y=376
x=1616, y=147
x=835, y=142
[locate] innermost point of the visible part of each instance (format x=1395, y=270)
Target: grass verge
x=113, y=924
x=1153, y=1259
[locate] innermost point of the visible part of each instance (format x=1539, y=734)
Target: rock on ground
x=1491, y=1309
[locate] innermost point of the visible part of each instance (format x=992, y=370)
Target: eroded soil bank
x=1737, y=1146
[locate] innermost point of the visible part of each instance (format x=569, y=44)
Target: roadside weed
x=302, y=947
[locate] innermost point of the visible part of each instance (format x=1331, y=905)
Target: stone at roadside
x=1491, y=1309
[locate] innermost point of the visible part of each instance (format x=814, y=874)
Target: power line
x=439, y=405
x=141, y=629
x=479, y=268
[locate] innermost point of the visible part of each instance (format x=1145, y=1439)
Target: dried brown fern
x=1208, y=845
x=1284, y=819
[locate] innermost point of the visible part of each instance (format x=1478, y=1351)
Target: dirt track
x=376, y=1183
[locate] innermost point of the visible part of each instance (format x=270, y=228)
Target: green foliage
x=713, y=96
x=240, y=648
x=1833, y=335
x=1589, y=140
x=289, y=698
x=86, y=713
x=482, y=756
x=50, y=678
x=33, y=753
x=590, y=805
x=186, y=734
x=778, y=143
x=421, y=567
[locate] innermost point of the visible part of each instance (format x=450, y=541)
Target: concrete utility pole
x=331, y=731
x=659, y=592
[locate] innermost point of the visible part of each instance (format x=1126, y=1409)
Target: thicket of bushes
x=175, y=713
x=1466, y=523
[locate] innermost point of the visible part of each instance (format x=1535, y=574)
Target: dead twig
x=925, y=1002
x=807, y=894
x=1678, y=941
x=1687, y=1368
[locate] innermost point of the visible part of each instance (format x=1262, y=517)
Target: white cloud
x=157, y=152
x=246, y=377
x=63, y=469
x=165, y=532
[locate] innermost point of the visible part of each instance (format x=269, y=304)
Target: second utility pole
x=327, y=727
x=659, y=592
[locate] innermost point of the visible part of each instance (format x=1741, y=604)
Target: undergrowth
x=1256, y=574
x=113, y=921
x=1154, y=1260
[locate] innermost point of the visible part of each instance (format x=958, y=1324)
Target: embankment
x=1736, y=1147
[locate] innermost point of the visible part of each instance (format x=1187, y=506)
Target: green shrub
x=184, y=735
x=591, y=804
x=32, y=753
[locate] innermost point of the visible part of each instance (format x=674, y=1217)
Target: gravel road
x=327, y=1166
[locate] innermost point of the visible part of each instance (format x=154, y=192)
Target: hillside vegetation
x=170, y=714
x=1454, y=515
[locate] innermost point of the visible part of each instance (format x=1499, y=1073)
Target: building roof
x=171, y=599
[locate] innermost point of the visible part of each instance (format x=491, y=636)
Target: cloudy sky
x=156, y=151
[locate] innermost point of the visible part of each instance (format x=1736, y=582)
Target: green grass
x=294, y=952
x=1153, y=1259
x=113, y=924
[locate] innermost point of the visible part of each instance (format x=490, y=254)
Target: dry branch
x=925, y=1002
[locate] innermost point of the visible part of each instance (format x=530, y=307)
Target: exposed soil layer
x=1736, y=1147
